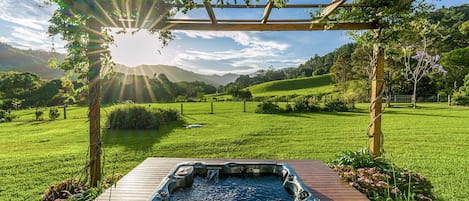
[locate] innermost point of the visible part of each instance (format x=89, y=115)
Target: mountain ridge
x=36, y=61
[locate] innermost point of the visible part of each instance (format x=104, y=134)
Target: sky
x=23, y=24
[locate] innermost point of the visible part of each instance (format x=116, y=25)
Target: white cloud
x=20, y=33
x=26, y=13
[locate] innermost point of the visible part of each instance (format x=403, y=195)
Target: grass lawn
x=321, y=84
x=432, y=140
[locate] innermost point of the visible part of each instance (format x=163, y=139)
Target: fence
x=408, y=98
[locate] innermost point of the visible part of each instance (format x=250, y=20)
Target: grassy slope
x=300, y=86
x=432, y=140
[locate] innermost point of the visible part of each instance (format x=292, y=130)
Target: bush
x=39, y=114
x=63, y=190
x=360, y=159
x=288, y=108
x=336, y=106
x=53, y=113
x=460, y=98
x=3, y=114
x=6, y=116
x=379, y=180
x=307, y=104
x=133, y=116
x=267, y=107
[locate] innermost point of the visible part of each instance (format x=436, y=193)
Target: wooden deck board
x=139, y=184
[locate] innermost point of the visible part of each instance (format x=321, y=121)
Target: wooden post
x=182, y=109
x=449, y=100
x=244, y=110
x=376, y=99
x=65, y=111
x=93, y=49
x=211, y=107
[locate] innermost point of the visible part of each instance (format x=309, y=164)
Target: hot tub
x=232, y=181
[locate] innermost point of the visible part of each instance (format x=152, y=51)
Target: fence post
x=211, y=107
x=65, y=111
x=182, y=109
x=244, y=110
x=449, y=100
x=437, y=98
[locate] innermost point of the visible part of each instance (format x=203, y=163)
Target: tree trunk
x=414, y=95
x=94, y=46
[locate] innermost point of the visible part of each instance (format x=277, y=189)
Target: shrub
x=3, y=114
x=460, y=98
x=63, y=190
x=133, y=116
x=360, y=159
x=336, y=106
x=268, y=107
x=39, y=114
x=288, y=108
x=6, y=116
x=307, y=104
x=53, y=113
x=379, y=180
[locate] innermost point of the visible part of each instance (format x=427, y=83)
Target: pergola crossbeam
x=331, y=8
x=210, y=12
x=267, y=10
x=285, y=6
x=266, y=27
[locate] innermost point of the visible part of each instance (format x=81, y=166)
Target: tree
x=456, y=62
x=341, y=72
x=423, y=65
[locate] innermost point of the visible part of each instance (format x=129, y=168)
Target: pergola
x=149, y=14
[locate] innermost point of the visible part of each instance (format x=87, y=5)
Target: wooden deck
x=139, y=184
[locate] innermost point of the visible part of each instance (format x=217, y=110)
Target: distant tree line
x=22, y=90
x=445, y=31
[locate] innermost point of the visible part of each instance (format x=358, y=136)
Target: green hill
x=33, y=61
x=301, y=86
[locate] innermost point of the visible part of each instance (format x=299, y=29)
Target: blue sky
x=23, y=24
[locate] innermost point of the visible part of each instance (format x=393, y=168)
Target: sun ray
x=128, y=5
x=147, y=16
x=148, y=86
x=122, y=90
x=106, y=14
x=137, y=17
x=116, y=7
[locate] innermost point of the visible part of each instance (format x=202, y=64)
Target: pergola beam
x=285, y=6
x=210, y=12
x=266, y=27
x=331, y=8
x=267, y=10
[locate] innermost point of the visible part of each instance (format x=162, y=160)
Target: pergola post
x=93, y=54
x=376, y=98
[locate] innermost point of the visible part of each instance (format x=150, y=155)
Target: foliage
x=117, y=88
x=307, y=104
x=288, y=108
x=461, y=97
x=6, y=116
x=268, y=107
x=53, y=113
x=455, y=62
x=360, y=159
x=425, y=65
x=336, y=105
x=379, y=179
x=130, y=116
x=63, y=190
x=39, y=113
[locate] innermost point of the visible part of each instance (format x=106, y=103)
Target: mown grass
x=301, y=86
x=432, y=139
